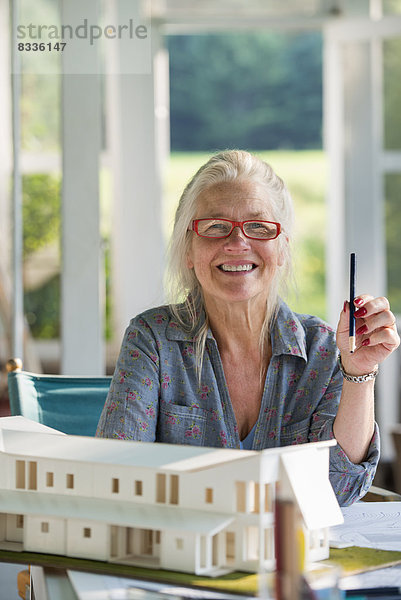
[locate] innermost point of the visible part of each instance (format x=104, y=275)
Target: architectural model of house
x=195, y=509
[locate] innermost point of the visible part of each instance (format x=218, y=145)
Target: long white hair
x=184, y=290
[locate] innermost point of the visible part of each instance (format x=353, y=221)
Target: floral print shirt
x=155, y=394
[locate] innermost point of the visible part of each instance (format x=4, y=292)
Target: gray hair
x=184, y=290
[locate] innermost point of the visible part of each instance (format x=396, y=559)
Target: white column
x=364, y=202
x=353, y=140
x=137, y=245
x=5, y=177
x=333, y=143
x=82, y=282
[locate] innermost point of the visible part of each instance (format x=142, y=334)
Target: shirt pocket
x=295, y=433
x=181, y=425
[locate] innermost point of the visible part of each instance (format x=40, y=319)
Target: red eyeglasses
x=222, y=228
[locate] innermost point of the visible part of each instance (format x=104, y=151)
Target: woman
x=232, y=365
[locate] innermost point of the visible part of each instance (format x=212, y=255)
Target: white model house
x=195, y=509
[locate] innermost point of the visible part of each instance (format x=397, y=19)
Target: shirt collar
x=287, y=337
x=175, y=331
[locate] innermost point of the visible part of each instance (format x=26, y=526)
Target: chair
x=70, y=404
x=67, y=403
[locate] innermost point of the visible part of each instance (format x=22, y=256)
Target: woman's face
x=237, y=201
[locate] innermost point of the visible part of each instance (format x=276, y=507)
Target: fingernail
x=366, y=342
x=358, y=301
x=362, y=329
x=345, y=306
x=361, y=312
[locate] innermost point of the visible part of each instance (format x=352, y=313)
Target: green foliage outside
x=40, y=211
x=41, y=218
x=392, y=93
x=248, y=90
x=393, y=237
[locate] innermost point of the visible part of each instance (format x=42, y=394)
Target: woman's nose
x=236, y=238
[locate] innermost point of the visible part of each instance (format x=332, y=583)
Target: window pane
x=392, y=93
x=391, y=7
x=393, y=239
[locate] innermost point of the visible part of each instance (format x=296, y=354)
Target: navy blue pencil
x=352, y=279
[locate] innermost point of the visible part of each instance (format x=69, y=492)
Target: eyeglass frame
x=234, y=224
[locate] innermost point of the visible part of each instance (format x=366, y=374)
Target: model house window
x=240, y=487
x=230, y=547
x=33, y=469
x=203, y=553
x=70, y=481
x=138, y=488
x=209, y=495
x=20, y=521
x=269, y=543
x=20, y=474
x=252, y=543
x=174, y=489
x=113, y=540
x=49, y=479
x=254, y=497
x=215, y=550
x=269, y=497
x=160, y=487
x=157, y=536
x=179, y=543
x=115, y=485
x=147, y=541
x=314, y=539
x=44, y=527
x=87, y=532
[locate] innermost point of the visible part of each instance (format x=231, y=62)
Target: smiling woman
x=227, y=363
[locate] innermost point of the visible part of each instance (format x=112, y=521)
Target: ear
x=281, y=253
x=189, y=260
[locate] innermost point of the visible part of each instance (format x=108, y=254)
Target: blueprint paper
x=389, y=577
x=370, y=525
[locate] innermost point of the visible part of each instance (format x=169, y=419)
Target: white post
x=17, y=338
x=5, y=176
x=137, y=244
x=333, y=143
x=353, y=128
x=82, y=288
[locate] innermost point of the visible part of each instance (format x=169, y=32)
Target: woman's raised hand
x=375, y=332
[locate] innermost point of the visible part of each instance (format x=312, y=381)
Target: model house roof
x=315, y=496
x=20, y=436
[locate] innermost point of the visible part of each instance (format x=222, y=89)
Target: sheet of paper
x=389, y=577
x=90, y=586
x=370, y=525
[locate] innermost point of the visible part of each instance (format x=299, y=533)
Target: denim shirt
x=155, y=394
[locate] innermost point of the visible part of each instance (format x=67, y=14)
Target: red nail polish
x=358, y=301
x=362, y=329
x=361, y=312
x=345, y=306
x=366, y=342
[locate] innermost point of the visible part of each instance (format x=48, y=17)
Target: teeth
x=236, y=267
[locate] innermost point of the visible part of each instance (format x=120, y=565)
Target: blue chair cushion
x=70, y=404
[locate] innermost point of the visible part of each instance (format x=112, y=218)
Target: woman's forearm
x=354, y=424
